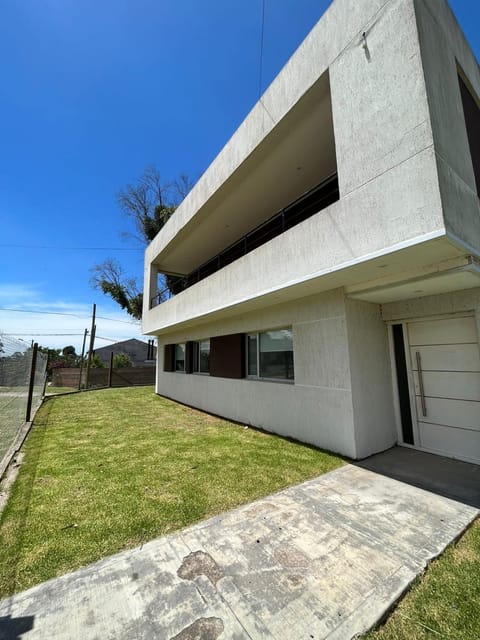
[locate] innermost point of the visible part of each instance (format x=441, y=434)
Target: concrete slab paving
x=322, y=560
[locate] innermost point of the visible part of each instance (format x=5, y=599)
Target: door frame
x=411, y=383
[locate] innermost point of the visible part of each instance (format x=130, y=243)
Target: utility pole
x=81, y=359
x=90, y=349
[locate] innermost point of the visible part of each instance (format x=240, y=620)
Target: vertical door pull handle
x=420, y=383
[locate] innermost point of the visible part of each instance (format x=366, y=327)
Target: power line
x=43, y=335
x=71, y=315
x=16, y=335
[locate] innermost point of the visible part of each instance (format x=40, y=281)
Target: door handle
x=420, y=383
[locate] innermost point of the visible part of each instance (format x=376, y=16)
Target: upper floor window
x=471, y=111
x=201, y=356
x=270, y=355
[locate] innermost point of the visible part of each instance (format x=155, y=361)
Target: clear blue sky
x=94, y=91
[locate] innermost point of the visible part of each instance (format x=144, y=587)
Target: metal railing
x=22, y=383
x=308, y=204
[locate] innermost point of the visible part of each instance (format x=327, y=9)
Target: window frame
x=176, y=370
x=196, y=357
x=257, y=376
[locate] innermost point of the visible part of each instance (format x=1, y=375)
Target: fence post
x=44, y=390
x=92, y=343
x=110, y=370
x=31, y=385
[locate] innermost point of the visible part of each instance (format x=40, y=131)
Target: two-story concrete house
x=330, y=253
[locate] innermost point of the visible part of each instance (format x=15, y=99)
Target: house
x=139, y=352
x=330, y=253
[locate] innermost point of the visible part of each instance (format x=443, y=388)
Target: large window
x=270, y=355
x=471, y=111
x=180, y=357
x=201, y=356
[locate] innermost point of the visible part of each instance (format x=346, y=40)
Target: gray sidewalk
x=324, y=559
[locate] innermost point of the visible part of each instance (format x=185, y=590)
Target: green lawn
x=49, y=391
x=107, y=470
x=445, y=602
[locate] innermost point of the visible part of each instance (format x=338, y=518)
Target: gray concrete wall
x=386, y=163
x=443, y=46
x=447, y=303
x=400, y=206
x=379, y=104
x=316, y=409
x=340, y=25
x=371, y=378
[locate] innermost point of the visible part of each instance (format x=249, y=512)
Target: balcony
x=308, y=204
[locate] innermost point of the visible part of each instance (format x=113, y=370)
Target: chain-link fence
x=22, y=379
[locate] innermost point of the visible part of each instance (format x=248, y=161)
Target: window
x=471, y=111
x=201, y=356
x=270, y=355
x=180, y=357
x=252, y=355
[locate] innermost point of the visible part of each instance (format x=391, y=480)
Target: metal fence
x=22, y=380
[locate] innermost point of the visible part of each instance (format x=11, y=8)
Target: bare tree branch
x=149, y=203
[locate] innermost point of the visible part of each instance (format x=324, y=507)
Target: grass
x=444, y=603
x=107, y=470
x=54, y=390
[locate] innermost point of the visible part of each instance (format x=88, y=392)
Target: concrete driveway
x=324, y=559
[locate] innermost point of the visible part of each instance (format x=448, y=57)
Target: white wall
x=443, y=46
x=316, y=409
x=371, y=376
x=457, y=302
x=342, y=399
x=380, y=109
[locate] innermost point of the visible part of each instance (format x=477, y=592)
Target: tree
x=96, y=362
x=121, y=361
x=60, y=358
x=109, y=277
x=149, y=203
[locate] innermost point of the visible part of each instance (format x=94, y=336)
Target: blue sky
x=93, y=92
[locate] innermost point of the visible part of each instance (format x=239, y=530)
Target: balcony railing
x=311, y=202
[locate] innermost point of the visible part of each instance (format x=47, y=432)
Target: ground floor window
x=180, y=357
x=201, y=356
x=270, y=355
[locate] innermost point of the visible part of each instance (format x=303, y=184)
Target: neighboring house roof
x=137, y=350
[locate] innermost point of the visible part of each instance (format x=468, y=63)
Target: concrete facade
x=373, y=96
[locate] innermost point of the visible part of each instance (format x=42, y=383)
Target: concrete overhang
x=295, y=156
x=405, y=264
x=453, y=275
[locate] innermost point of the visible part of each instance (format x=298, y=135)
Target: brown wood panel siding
x=472, y=122
x=189, y=357
x=227, y=356
x=169, y=357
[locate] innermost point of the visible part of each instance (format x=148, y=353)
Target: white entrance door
x=445, y=362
